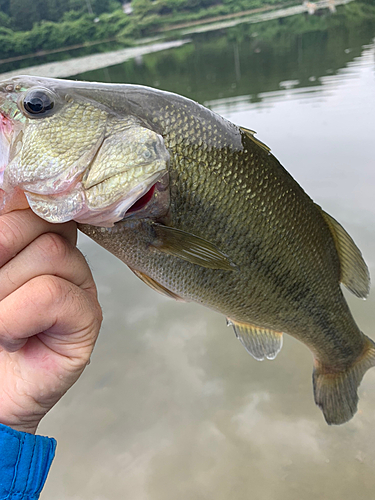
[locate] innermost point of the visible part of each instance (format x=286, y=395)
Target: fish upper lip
x=5, y=143
x=5, y=127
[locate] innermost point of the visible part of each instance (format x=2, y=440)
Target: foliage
x=25, y=13
x=48, y=35
x=5, y=20
x=4, y=6
x=28, y=26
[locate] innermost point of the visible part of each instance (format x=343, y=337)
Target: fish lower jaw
x=58, y=208
x=78, y=204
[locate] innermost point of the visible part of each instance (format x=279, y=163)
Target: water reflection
x=172, y=406
x=250, y=60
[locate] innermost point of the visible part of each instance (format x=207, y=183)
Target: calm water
x=172, y=406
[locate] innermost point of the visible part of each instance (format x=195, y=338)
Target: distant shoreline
x=77, y=65
x=42, y=53
x=223, y=17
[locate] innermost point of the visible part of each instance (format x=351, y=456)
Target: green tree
x=24, y=13
x=4, y=6
x=142, y=7
x=100, y=6
x=5, y=20
x=55, y=10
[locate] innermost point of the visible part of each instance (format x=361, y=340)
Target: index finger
x=19, y=228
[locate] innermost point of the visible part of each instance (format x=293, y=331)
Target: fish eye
x=38, y=102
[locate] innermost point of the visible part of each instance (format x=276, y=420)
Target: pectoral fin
x=189, y=247
x=354, y=272
x=259, y=342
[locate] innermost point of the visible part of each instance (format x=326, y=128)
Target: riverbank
x=215, y=19
x=74, y=66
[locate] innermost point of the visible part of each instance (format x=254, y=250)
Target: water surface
x=172, y=406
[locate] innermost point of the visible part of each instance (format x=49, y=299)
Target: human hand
x=49, y=316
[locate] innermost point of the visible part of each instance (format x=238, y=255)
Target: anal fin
x=156, y=286
x=259, y=342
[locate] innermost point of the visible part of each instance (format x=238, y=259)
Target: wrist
x=23, y=423
x=28, y=428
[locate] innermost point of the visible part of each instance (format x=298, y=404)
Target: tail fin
x=336, y=392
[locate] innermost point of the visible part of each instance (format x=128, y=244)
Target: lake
x=172, y=406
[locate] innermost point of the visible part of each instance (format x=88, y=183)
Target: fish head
x=72, y=157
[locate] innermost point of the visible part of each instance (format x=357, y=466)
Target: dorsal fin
x=259, y=342
x=250, y=134
x=354, y=272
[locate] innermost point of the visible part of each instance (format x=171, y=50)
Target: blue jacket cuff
x=25, y=460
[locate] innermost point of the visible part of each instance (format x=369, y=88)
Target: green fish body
x=211, y=217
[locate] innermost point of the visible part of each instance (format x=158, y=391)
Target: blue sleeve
x=25, y=460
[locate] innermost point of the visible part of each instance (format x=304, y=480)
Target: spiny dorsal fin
x=156, y=286
x=250, y=134
x=259, y=342
x=191, y=248
x=354, y=272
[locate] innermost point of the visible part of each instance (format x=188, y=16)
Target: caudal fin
x=336, y=392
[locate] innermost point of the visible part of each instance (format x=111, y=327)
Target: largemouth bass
x=199, y=209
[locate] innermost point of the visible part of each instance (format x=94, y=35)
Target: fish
x=199, y=209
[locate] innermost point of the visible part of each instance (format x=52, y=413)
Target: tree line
x=23, y=14
x=29, y=26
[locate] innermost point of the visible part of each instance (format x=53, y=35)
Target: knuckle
x=98, y=313
x=8, y=340
x=93, y=314
x=89, y=286
x=53, y=246
x=50, y=289
x=93, y=310
x=10, y=234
